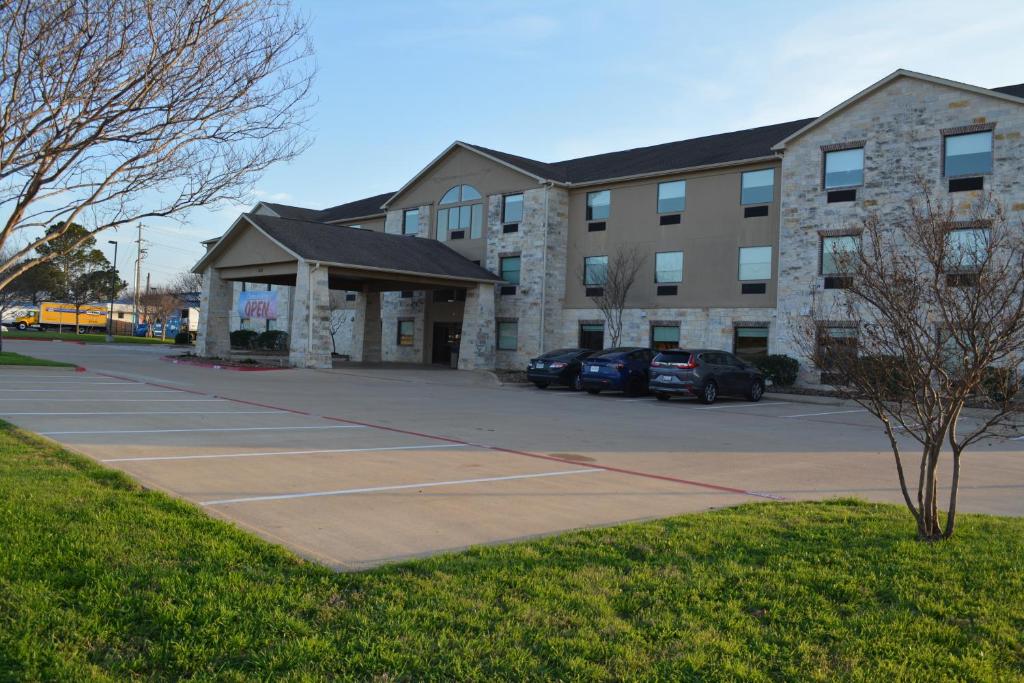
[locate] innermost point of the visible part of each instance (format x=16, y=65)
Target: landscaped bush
x=272, y=340
x=1000, y=384
x=885, y=377
x=183, y=338
x=779, y=368
x=243, y=339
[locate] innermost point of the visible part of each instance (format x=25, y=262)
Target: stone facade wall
x=901, y=125
x=212, y=339
x=310, y=336
x=476, y=351
x=395, y=308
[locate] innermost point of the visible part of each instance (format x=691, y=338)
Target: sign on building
x=257, y=305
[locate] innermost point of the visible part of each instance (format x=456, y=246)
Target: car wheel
x=595, y=392
x=577, y=383
x=22, y=326
x=541, y=385
x=709, y=394
x=662, y=397
x=756, y=391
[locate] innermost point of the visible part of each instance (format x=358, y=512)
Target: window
x=757, y=187
x=512, y=208
x=966, y=249
x=592, y=336
x=668, y=267
x=462, y=210
x=510, y=269
x=968, y=154
x=844, y=168
x=834, y=343
x=672, y=196
x=508, y=335
x=665, y=337
x=406, y=330
x=750, y=343
x=411, y=222
x=836, y=253
x=599, y=205
x=595, y=271
x=755, y=263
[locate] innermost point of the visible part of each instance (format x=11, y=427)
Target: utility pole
x=113, y=286
x=138, y=271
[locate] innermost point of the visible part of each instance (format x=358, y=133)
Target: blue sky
x=399, y=81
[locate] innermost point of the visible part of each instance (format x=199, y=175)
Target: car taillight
x=557, y=365
x=689, y=365
x=619, y=366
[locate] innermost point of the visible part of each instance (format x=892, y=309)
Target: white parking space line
x=201, y=429
x=744, y=405
x=117, y=400
x=94, y=391
x=375, y=489
x=831, y=412
x=275, y=453
x=167, y=412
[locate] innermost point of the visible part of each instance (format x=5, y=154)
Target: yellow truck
x=52, y=314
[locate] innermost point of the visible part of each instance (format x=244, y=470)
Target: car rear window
x=611, y=353
x=673, y=357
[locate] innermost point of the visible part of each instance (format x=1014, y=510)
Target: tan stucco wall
x=249, y=246
x=711, y=231
x=375, y=224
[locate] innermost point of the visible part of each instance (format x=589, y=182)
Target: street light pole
x=113, y=286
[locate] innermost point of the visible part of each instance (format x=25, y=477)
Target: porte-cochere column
x=309, y=342
x=476, y=350
x=213, y=337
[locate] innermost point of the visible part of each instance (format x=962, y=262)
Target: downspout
x=544, y=265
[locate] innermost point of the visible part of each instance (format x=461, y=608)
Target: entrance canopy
x=267, y=249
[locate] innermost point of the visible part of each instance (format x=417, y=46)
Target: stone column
x=212, y=338
x=309, y=343
x=476, y=351
x=366, y=329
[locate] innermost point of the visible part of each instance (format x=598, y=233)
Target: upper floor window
x=512, y=208
x=757, y=187
x=595, y=271
x=461, y=209
x=510, y=269
x=836, y=254
x=672, y=196
x=668, y=267
x=755, y=263
x=411, y=222
x=508, y=335
x=599, y=205
x=966, y=249
x=844, y=168
x=968, y=154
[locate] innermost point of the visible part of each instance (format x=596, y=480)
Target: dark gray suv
x=704, y=373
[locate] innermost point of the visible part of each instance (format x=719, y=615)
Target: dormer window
x=461, y=214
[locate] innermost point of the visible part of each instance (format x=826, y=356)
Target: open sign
x=257, y=305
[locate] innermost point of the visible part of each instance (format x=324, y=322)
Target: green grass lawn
x=101, y=579
x=11, y=358
x=87, y=338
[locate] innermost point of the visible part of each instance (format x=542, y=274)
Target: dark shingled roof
x=1012, y=90
x=357, y=247
x=357, y=209
x=286, y=211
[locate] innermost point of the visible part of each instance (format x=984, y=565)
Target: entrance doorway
x=446, y=342
x=591, y=336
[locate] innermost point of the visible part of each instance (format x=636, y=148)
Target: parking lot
x=363, y=466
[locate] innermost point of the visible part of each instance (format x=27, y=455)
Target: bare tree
x=339, y=316
x=931, y=318
x=116, y=111
x=187, y=282
x=158, y=304
x=608, y=285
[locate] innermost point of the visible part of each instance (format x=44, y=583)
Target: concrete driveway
x=356, y=467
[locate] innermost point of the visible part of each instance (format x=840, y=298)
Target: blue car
x=623, y=369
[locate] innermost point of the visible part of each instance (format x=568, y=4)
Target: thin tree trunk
x=954, y=486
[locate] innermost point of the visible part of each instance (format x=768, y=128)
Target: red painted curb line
x=499, y=449
x=213, y=365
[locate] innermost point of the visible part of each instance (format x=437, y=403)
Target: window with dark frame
x=599, y=205
x=750, y=342
x=672, y=196
x=755, y=263
x=967, y=154
x=460, y=210
x=664, y=336
x=512, y=209
x=757, y=187
x=592, y=336
x=411, y=222
x=668, y=267
x=834, y=342
x=966, y=250
x=595, y=271
x=844, y=168
x=508, y=335
x=406, y=332
x=836, y=252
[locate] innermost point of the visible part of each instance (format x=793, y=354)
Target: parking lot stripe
x=117, y=400
x=744, y=405
x=163, y=412
x=831, y=412
x=376, y=489
x=94, y=391
x=201, y=429
x=254, y=455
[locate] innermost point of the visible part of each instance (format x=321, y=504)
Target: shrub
x=885, y=376
x=779, y=368
x=272, y=340
x=183, y=338
x=1000, y=384
x=243, y=339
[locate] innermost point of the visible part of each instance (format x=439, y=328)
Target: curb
x=214, y=365
x=53, y=341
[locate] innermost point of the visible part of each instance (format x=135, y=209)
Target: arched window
x=460, y=209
